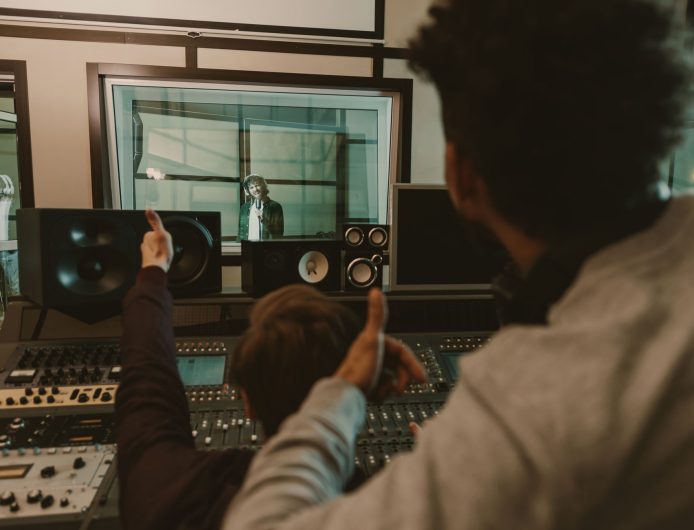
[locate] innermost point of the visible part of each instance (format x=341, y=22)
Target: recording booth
x=335, y=152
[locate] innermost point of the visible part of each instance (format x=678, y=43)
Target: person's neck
x=523, y=249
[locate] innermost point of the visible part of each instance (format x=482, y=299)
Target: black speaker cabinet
x=73, y=260
x=365, y=237
x=268, y=265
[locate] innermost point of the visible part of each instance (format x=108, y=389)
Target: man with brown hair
x=296, y=336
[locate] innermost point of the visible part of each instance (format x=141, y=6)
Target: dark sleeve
x=276, y=221
x=243, y=221
x=164, y=481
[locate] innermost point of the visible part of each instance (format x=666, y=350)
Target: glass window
x=9, y=167
x=682, y=167
x=327, y=156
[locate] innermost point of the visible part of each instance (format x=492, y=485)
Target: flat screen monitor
x=430, y=247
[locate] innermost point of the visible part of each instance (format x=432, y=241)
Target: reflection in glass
x=325, y=154
x=683, y=162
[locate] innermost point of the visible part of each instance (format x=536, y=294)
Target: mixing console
x=56, y=420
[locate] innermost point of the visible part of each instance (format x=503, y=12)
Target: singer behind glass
x=260, y=217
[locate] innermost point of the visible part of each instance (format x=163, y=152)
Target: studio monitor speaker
x=268, y=265
x=76, y=260
x=364, y=246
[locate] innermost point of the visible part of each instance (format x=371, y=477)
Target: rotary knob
x=47, y=501
x=48, y=472
x=34, y=496
x=7, y=498
x=79, y=463
x=14, y=507
x=64, y=501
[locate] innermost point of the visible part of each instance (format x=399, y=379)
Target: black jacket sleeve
x=164, y=481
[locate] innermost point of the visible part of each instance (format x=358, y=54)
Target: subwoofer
x=269, y=265
x=77, y=260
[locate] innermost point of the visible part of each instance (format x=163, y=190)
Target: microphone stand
x=260, y=222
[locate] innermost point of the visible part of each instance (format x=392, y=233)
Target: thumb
x=377, y=312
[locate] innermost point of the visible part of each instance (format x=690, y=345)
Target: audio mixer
x=56, y=420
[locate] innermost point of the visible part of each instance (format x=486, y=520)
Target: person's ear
x=248, y=409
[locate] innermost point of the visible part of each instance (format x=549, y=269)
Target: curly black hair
x=564, y=108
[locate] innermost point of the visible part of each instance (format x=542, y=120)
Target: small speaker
x=363, y=270
x=77, y=260
x=269, y=265
x=365, y=236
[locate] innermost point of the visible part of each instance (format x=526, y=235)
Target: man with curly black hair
x=578, y=414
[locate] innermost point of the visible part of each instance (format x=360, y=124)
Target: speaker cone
x=354, y=236
x=313, y=266
x=362, y=272
x=378, y=237
x=192, y=244
x=92, y=271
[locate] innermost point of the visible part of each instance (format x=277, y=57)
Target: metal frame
x=26, y=173
x=377, y=33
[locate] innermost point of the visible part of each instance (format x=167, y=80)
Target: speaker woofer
x=93, y=272
x=193, y=245
x=362, y=272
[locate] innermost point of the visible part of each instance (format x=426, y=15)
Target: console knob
x=64, y=501
x=79, y=463
x=14, y=507
x=83, y=398
x=34, y=496
x=7, y=498
x=48, y=472
x=47, y=501
x=10, y=401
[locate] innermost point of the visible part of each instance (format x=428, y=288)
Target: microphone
x=257, y=204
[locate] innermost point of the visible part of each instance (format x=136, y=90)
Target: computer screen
x=431, y=249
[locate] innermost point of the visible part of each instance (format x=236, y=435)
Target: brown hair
x=296, y=336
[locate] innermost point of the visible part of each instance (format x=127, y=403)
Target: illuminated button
x=208, y=440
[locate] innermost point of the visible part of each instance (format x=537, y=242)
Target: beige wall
x=57, y=84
